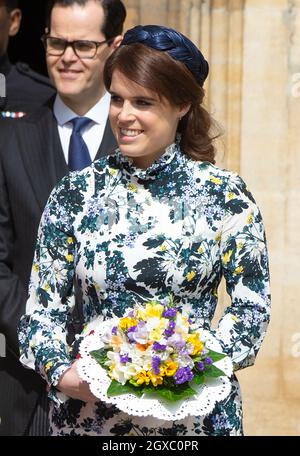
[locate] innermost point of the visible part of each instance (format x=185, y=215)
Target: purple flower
x=170, y=312
x=201, y=366
x=170, y=329
x=184, y=374
x=138, y=333
x=130, y=333
x=155, y=364
x=125, y=358
x=158, y=347
x=176, y=341
x=208, y=360
x=114, y=330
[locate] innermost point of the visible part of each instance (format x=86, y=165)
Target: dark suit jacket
x=31, y=163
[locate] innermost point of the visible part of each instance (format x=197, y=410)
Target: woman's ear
x=184, y=110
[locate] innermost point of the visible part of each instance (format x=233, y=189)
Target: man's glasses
x=84, y=49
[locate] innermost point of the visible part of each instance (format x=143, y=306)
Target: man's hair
x=10, y=4
x=114, y=14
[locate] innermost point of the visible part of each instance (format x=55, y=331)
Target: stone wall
x=253, y=47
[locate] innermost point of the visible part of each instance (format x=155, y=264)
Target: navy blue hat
x=178, y=46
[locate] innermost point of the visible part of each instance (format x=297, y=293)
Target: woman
x=155, y=218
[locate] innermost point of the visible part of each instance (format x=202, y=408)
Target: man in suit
x=34, y=156
x=23, y=89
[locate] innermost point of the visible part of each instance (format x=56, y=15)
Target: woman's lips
x=129, y=135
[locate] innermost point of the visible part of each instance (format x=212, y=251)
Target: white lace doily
x=215, y=390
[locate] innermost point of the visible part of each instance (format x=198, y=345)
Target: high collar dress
x=124, y=235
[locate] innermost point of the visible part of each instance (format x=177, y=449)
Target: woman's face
x=143, y=124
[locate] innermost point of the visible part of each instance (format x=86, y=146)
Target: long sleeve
x=245, y=268
x=42, y=331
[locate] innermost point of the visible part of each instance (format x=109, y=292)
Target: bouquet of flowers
x=156, y=349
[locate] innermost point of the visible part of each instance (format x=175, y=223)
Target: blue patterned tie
x=79, y=156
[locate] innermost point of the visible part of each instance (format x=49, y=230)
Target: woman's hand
x=71, y=385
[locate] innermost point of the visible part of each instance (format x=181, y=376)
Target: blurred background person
x=35, y=153
x=25, y=89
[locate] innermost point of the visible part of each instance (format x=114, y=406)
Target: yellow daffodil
x=190, y=275
x=157, y=333
x=70, y=240
x=200, y=250
x=163, y=247
x=231, y=195
x=154, y=310
x=46, y=287
x=194, y=340
x=234, y=318
x=141, y=378
x=69, y=258
x=240, y=245
x=127, y=322
x=36, y=267
x=170, y=367
x=155, y=379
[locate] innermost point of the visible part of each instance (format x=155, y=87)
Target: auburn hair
x=170, y=79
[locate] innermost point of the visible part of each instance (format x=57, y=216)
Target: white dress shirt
x=92, y=134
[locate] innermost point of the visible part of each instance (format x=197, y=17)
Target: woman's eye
x=143, y=103
x=115, y=99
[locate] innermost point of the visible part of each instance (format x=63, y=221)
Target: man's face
x=79, y=82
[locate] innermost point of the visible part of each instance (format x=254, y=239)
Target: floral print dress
x=123, y=235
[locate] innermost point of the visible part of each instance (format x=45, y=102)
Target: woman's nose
x=126, y=112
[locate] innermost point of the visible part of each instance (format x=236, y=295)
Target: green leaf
x=174, y=394
x=215, y=356
x=116, y=389
x=199, y=378
x=213, y=371
x=100, y=356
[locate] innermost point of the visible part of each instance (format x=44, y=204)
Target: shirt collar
x=98, y=113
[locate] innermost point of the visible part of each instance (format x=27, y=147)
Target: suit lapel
x=108, y=143
x=41, y=153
